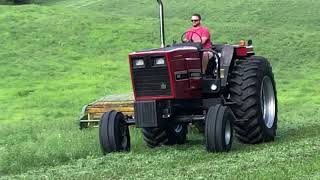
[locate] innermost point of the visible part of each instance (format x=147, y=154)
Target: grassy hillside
x=58, y=55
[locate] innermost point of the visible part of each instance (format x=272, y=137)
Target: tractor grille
x=152, y=81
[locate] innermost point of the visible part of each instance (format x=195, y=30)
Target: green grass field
x=58, y=55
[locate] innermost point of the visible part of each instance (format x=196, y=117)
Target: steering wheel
x=184, y=34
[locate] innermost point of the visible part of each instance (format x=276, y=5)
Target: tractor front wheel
x=114, y=133
x=218, y=129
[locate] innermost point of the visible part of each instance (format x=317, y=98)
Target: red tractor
x=237, y=95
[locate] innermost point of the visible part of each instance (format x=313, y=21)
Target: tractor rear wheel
x=252, y=87
x=114, y=133
x=169, y=135
x=177, y=133
x=155, y=136
x=218, y=129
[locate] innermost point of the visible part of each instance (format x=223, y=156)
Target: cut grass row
x=290, y=157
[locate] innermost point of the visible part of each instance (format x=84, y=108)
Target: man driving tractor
x=236, y=94
x=201, y=34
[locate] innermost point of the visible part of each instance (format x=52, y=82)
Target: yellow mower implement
x=92, y=113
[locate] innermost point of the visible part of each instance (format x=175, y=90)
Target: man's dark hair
x=196, y=14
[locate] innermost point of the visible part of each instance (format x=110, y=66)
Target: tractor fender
x=226, y=62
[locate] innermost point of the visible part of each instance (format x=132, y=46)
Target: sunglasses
x=194, y=20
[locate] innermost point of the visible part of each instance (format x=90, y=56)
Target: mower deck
x=92, y=113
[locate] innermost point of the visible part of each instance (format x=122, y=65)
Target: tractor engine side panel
x=186, y=73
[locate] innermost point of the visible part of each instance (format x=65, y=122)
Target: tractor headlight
x=213, y=87
x=159, y=61
x=138, y=63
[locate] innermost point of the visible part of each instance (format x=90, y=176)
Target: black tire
x=218, y=129
x=169, y=135
x=114, y=133
x=177, y=133
x=251, y=86
x=154, y=137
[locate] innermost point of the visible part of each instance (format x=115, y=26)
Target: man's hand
x=186, y=40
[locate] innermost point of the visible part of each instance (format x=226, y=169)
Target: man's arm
x=187, y=36
x=205, y=35
x=204, y=39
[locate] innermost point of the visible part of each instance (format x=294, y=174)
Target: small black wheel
x=114, y=133
x=218, y=129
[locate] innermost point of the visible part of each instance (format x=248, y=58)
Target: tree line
x=18, y=1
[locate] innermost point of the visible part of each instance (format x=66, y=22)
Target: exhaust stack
x=162, y=37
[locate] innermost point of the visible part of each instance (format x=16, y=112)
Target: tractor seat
x=218, y=47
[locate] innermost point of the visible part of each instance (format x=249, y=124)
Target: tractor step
x=230, y=103
x=241, y=120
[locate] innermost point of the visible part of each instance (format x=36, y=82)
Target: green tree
x=19, y=1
